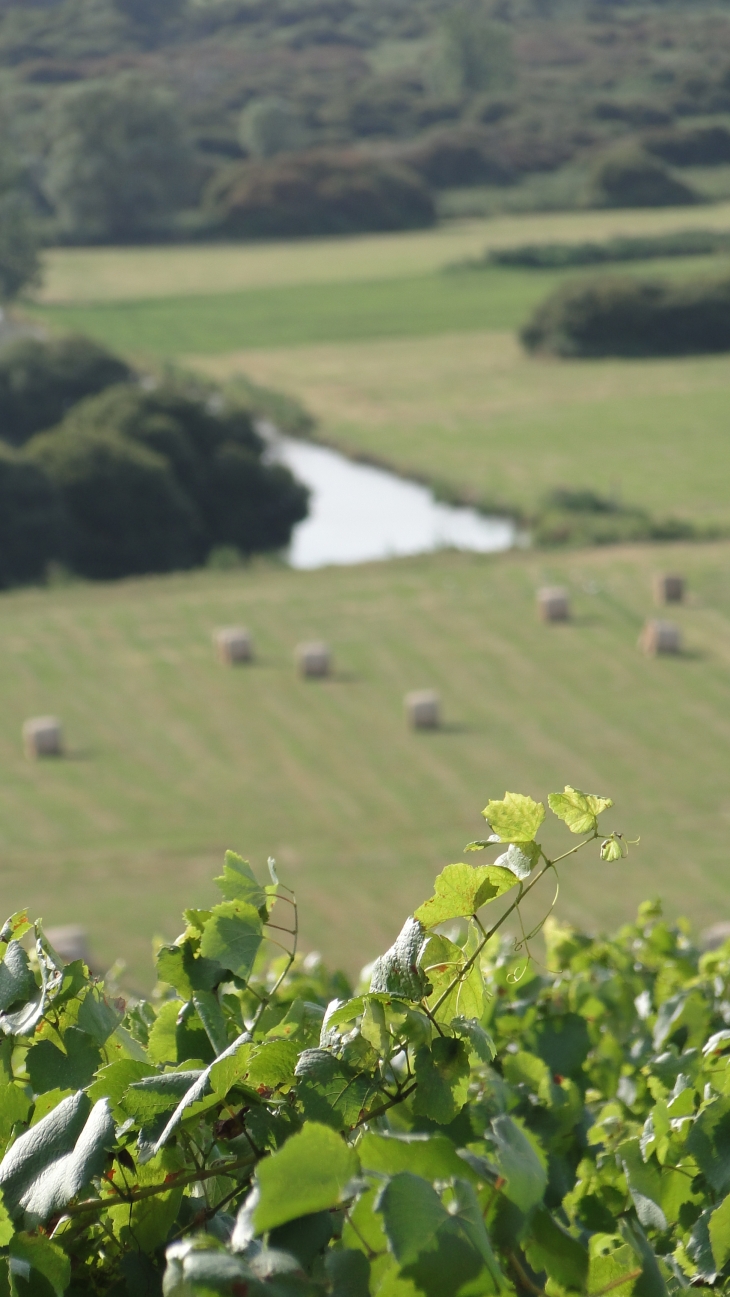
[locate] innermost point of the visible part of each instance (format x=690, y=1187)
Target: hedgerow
x=465, y=1122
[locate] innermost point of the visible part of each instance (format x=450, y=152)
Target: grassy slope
x=471, y=410
x=173, y=757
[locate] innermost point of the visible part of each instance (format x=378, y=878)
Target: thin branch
x=175, y=1181
x=397, y=1098
x=524, y=1278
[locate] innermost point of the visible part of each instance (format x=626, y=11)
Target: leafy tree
x=20, y=265
x=41, y=380
x=462, y=1124
x=126, y=513
x=270, y=125
x=32, y=522
x=473, y=53
x=121, y=164
x=216, y=458
x=633, y=179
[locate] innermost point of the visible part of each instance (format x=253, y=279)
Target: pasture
x=174, y=757
x=420, y=369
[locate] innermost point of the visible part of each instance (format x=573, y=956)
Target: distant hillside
x=478, y=92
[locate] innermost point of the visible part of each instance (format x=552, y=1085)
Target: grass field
x=419, y=368
x=173, y=757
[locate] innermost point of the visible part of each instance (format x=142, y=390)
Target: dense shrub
x=459, y=157
x=635, y=180
x=465, y=1123
x=317, y=193
x=32, y=522
x=703, y=146
x=20, y=265
x=685, y=243
x=154, y=480
x=620, y=316
x=120, y=166
x=572, y=517
x=125, y=511
x=40, y=381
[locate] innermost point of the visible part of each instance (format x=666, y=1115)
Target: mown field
x=419, y=368
x=173, y=757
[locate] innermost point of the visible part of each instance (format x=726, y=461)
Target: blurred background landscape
x=484, y=246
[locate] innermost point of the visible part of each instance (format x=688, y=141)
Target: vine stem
x=523, y=892
x=175, y=1181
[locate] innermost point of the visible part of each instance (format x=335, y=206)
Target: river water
x=358, y=513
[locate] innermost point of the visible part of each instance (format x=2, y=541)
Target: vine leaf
x=239, y=883
x=412, y=1215
x=520, y=1163
x=232, y=936
x=313, y=1171
x=479, y=1040
x=519, y=858
x=29, y=1252
x=442, y=1073
x=579, y=811
x=460, y=890
x=50, y=1164
x=719, y=1231
x=516, y=818
x=397, y=972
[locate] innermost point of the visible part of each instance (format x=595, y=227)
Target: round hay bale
x=43, y=737
x=553, y=603
x=660, y=637
x=70, y=942
x=669, y=588
x=423, y=708
x=314, y=659
x=234, y=645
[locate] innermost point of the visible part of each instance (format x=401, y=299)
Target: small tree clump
x=636, y=180
x=32, y=520
x=268, y=126
x=41, y=380
x=317, y=193
x=622, y=316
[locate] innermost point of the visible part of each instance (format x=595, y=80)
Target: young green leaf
x=442, y=1073
x=520, y=1164
x=312, y=1172
x=232, y=937
x=461, y=890
x=32, y=1252
x=397, y=972
x=412, y=1215
x=479, y=1040
x=578, y=810
x=516, y=818
x=239, y=883
x=719, y=1231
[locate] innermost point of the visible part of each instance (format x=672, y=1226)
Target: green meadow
x=173, y=757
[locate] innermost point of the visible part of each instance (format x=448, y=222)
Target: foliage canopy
x=463, y=1124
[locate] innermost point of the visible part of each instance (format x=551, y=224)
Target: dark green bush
x=685, y=243
x=40, y=381
x=635, y=180
x=154, y=480
x=20, y=265
x=620, y=316
x=317, y=193
x=32, y=527
x=702, y=146
x=126, y=512
x=462, y=156
x=216, y=458
x=583, y=517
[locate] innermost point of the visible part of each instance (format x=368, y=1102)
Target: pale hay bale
x=234, y=645
x=314, y=659
x=43, y=737
x=669, y=588
x=553, y=603
x=660, y=637
x=70, y=942
x=715, y=936
x=423, y=708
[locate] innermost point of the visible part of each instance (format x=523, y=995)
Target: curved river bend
x=359, y=513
